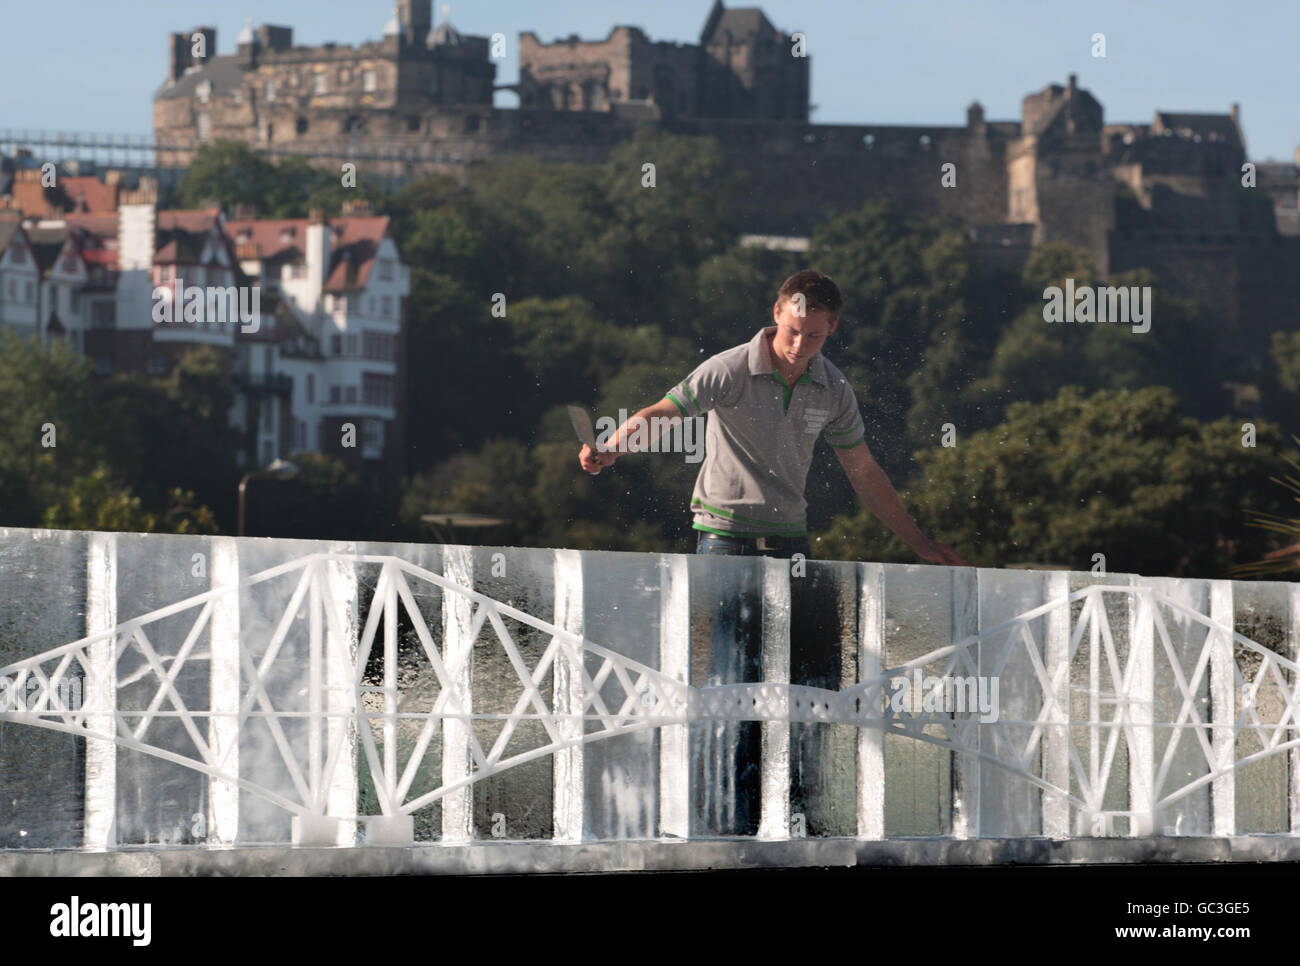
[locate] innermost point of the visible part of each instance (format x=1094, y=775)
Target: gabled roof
x=352, y=259
x=98, y=197
x=183, y=234
x=47, y=244
x=9, y=229
x=1210, y=127
x=353, y=245
x=221, y=71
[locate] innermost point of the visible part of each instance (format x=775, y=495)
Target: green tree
x=1122, y=473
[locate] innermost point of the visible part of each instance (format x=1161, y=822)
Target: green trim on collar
x=787, y=389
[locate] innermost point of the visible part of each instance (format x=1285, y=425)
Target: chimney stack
x=1073, y=85
x=317, y=257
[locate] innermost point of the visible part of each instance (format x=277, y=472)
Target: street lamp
x=277, y=470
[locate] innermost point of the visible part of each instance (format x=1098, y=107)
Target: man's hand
x=939, y=553
x=593, y=461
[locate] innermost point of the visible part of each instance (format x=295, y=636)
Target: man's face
x=800, y=337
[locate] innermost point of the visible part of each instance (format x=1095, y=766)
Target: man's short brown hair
x=818, y=290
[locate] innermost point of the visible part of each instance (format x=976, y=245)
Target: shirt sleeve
x=845, y=428
x=712, y=384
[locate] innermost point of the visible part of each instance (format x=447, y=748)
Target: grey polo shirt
x=760, y=435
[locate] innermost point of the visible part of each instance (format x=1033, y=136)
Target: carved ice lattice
x=615, y=695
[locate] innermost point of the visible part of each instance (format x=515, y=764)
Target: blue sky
x=93, y=65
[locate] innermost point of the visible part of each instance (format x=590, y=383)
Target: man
x=769, y=399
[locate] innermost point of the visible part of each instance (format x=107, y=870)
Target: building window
x=351, y=394
x=204, y=90
x=31, y=293
x=320, y=85
x=341, y=303
x=368, y=80
x=311, y=388
x=352, y=344
x=386, y=269
x=157, y=366
x=329, y=303
x=413, y=122
x=336, y=394
x=267, y=414
x=103, y=365
x=19, y=254
x=298, y=271
x=76, y=303
x=69, y=265
x=386, y=306
x=376, y=389
x=301, y=125
x=336, y=345
x=268, y=91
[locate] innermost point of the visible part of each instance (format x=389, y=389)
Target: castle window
x=204, y=90
x=268, y=90
x=320, y=84
x=413, y=122
x=345, y=75
x=471, y=123
x=204, y=127
x=368, y=80
x=301, y=125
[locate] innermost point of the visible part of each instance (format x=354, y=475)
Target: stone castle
x=1165, y=194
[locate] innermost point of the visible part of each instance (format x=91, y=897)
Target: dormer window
x=204, y=90
x=244, y=237
x=287, y=233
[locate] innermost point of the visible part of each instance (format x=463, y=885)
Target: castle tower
x=416, y=18
x=1056, y=173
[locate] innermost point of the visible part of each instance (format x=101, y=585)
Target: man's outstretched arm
x=878, y=496
x=593, y=462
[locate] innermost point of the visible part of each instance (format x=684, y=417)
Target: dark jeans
x=728, y=780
